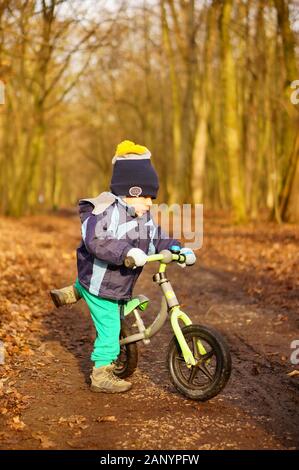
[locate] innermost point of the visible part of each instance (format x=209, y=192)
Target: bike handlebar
x=164, y=257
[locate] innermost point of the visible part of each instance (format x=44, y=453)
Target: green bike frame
x=169, y=306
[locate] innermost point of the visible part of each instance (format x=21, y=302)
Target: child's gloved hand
x=190, y=257
x=138, y=256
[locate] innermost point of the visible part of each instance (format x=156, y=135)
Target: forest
x=211, y=87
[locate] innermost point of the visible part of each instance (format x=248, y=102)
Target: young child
x=115, y=225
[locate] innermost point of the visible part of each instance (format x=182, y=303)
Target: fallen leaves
x=16, y=424
x=27, y=273
x=106, y=419
x=74, y=421
x=45, y=442
x=294, y=373
x=12, y=402
x=280, y=319
x=268, y=269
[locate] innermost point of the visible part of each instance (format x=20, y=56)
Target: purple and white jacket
x=110, y=228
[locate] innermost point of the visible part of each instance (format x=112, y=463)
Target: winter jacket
x=110, y=228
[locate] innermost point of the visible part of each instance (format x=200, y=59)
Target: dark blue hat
x=133, y=174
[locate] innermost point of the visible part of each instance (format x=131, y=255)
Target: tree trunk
x=231, y=118
x=290, y=190
x=172, y=189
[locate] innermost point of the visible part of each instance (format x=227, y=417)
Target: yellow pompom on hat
x=127, y=146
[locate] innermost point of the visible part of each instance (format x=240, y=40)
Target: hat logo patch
x=135, y=191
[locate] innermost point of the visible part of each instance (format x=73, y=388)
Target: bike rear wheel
x=212, y=370
x=127, y=360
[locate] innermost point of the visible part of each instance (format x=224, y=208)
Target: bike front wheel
x=212, y=369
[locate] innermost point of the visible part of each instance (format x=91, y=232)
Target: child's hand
x=138, y=256
x=190, y=257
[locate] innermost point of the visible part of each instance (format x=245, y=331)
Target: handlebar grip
x=129, y=262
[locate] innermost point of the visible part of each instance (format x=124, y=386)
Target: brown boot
x=66, y=295
x=104, y=380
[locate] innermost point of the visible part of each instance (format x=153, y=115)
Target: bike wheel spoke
x=205, y=371
x=208, y=355
x=180, y=359
x=192, y=375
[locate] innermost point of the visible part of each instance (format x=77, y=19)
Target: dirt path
x=46, y=402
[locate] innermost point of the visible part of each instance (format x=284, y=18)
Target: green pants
x=105, y=314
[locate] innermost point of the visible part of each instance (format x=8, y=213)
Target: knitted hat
x=133, y=173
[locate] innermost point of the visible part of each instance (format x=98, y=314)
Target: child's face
x=141, y=204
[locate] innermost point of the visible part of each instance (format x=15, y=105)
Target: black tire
x=127, y=361
x=210, y=375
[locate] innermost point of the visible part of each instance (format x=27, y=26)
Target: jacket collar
x=104, y=200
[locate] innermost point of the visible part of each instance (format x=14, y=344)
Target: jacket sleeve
x=162, y=241
x=98, y=233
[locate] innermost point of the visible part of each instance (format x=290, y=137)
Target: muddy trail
x=245, y=284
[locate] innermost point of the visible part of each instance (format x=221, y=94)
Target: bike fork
x=176, y=315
